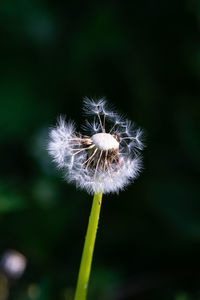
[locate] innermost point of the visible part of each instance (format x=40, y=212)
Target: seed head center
x=105, y=141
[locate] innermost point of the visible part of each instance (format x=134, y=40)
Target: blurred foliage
x=144, y=56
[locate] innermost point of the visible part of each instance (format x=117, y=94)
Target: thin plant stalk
x=86, y=260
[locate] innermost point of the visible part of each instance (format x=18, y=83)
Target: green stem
x=86, y=260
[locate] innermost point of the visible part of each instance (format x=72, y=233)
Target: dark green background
x=144, y=56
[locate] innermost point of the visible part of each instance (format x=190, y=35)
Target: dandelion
x=104, y=158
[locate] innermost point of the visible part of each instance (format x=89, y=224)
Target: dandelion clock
x=103, y=158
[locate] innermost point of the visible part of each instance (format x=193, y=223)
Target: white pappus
x=103, y=159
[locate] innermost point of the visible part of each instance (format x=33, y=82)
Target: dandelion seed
x=104, y=159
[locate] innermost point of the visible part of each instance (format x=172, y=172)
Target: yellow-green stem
x=86, y=260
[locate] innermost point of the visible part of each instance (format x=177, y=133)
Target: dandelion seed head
x=106, y=158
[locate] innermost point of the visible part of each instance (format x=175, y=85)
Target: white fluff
x=72, y=151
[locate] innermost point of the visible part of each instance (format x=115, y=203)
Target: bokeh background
x=144, y=56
